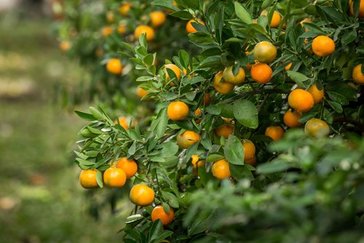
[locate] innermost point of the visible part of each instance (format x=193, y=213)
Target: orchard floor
x=40, y=198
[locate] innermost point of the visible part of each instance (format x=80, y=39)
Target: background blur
x=40, y=198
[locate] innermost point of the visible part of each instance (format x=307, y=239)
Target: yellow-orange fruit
x=177, y=110
x=114, y=177
x=124, y=9
x=129, y=166
x=228, y=76
x=274, y=132
x=187, y=139
x=174, y=68
x=196, y=162
x=144, y=29
x=224, y=130
x=141, y=195
x=300, y=100
x=157, y=18
x=106, y=31
x=323, y=46
x=189, y=26
x=114, y=66
x=361, y=8
x=317, y=94
x=140, y=92
x=221, y=169
x=88, y=178
x=292, y=118
x=249, y=150
x=317, y=128
x=357, y=74
x=261, y=73
x=158, y=213
x=265, y=52
x=221, y=86
x=276, y=18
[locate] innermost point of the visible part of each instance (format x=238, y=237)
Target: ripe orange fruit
x=224, y=130
x=261, y=73
x=114, y=66
x=158, y=213
x=129, y=166
x=274, y=132
x=177, y=110
x=249, y=150
x=288, y=66
x=323, y=46
x=106, y=31
x=317, y=128
x=157, y=18
x=221, y=86
x=251, y=161
x=265, y=52
x=88, y=178
x=317, y=94
x=221, y=169
x=124, y=9
x=276, y=18
x=187, y=139
x=292, y=118
x=122, y=28
x=114, y=177
x=300, y=100
x=357, y=74
x=189, y=26
x=174, y=68
x=65, y=46
x=144, y=29
x=123, y=121
x=140, y=92
x=228, y=76
x=141, y=195
x=197, y=112
x=361, y=8
x=196, y=162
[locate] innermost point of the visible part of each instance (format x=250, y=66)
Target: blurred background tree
x=39, y=201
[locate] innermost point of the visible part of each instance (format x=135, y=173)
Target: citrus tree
x=253, y=129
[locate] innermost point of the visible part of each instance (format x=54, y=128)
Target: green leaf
x=96, y=113
x=233, y=151
x=214, y=157
x=132, y=149
x=266, y=3
x=335, y=105
x=297, y=77
x=242, y=13
x=246, y=113
x=99, y=179
x=85, y=116
x=164, y=3
x=162, y=123
x=171, y=199
x=169, y=148
x=272, y=167
x=144, y=78
x=182, y=15
x=134, y=218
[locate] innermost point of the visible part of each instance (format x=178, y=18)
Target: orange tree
x=102, y=35
x=256, y=135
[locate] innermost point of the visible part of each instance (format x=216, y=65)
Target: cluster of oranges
x=140, y=194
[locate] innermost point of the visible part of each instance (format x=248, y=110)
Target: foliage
x=305, y=187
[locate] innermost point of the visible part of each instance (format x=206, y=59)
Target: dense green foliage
x=306, y=188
